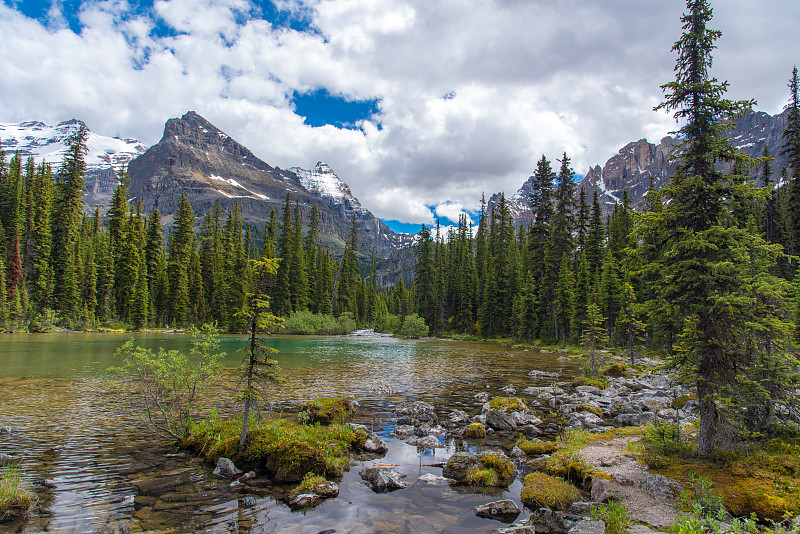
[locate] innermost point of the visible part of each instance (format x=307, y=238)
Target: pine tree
x=180, y=253
x=791, y=149
x=70, y=187
x=704, y=266
x=282, y=299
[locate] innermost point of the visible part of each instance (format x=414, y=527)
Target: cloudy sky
x=419, y=105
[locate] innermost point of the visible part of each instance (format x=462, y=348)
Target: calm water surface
x=56, y=395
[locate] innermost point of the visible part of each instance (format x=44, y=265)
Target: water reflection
x=67, y=428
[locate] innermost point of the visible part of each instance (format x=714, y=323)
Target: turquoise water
x=56, y=395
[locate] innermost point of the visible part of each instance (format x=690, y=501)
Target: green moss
x=535, y=448
x=508, y=404
x=481, y=477
x=681, y=401
x=763, y=480
x=616, y=370
x=16, y=498
x=540, y=490
x=279, y=446
x=596, y=381
x=310, y=484
x=326, y=410
x=475, y=431
x=589, y=408
x=500, y=465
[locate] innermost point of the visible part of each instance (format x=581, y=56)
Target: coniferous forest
x=705, y=269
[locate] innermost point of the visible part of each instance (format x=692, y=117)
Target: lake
x=56, y=396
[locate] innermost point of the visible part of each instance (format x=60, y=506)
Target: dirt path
x=636, y=485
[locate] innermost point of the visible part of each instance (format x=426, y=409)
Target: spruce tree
x=704, y=266
x=70, y=187
x=791, y=149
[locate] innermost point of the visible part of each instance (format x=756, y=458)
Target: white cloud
x=526, y=79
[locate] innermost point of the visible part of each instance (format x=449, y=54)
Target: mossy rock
x=475, y=431
x=595, y=381
x=589, y=408
x=489, y=470
x=681, y=401
x=616, y=370
x=536, y=448
x=285, y=449
x=326, y=410
x=543, y=491
x=508, y=404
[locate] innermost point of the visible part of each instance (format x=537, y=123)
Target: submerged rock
x=459, y=417
x=226, y=469
x=157, y=484
x=506, y=510
x=402, y=432
x=382, y=479
x=415, y=413
x=426, y=442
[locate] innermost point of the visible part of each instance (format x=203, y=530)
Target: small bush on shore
x=307, y=323
x=16, y=498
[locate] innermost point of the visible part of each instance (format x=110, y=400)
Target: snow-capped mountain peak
x=324, y=182
x=48, y=144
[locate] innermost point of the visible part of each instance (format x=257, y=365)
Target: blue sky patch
x=320, y=108
x=414, y=228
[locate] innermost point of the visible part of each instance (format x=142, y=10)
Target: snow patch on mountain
x=324, y=182
x=49, y=144
x=236, y=184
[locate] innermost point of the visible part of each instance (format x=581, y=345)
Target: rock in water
x=382, y=479
x=505, y=510
x=415, y=413
x=226, y=469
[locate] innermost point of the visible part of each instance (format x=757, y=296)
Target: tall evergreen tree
x=704, y=266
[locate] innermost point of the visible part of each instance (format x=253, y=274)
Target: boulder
x=590, y=390
x=661, y=487
x=430, y=478
x=415, y=413
x=604, y=490
x=481, y=397
x=375, y=444
x=465, y=467
x=546, y=520
x=459, y=417
x=157, y=484
x=226, y=469
x=6, y=459
x=585, y=420
x=303, y=500
x=506, y=510
x=382, y=479
x=588, y=527
x=633, y=419
x=5, y=430
x=509, y=389
x=522, y=419
x=426, y=442
x=500, y=420
x=402, y=432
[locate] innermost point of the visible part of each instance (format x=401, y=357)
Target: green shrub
x=16, y=498
x=615, y=370
x=540, y=490
x=388, y=323
x=414, y=326
x=306, y=323
x=347, y=322
x=615, y=515
x=326, y=410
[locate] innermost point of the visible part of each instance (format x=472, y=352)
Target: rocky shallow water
x=95, y=470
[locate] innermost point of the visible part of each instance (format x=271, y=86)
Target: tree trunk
x=708, y=417
x=248, y=401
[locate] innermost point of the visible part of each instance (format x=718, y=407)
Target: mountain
x=195, y=158
x=633, y=167
x=106, y=156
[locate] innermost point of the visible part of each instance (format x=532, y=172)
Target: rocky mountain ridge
x=633, y=167
x=106, y=156
x=195, y=158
